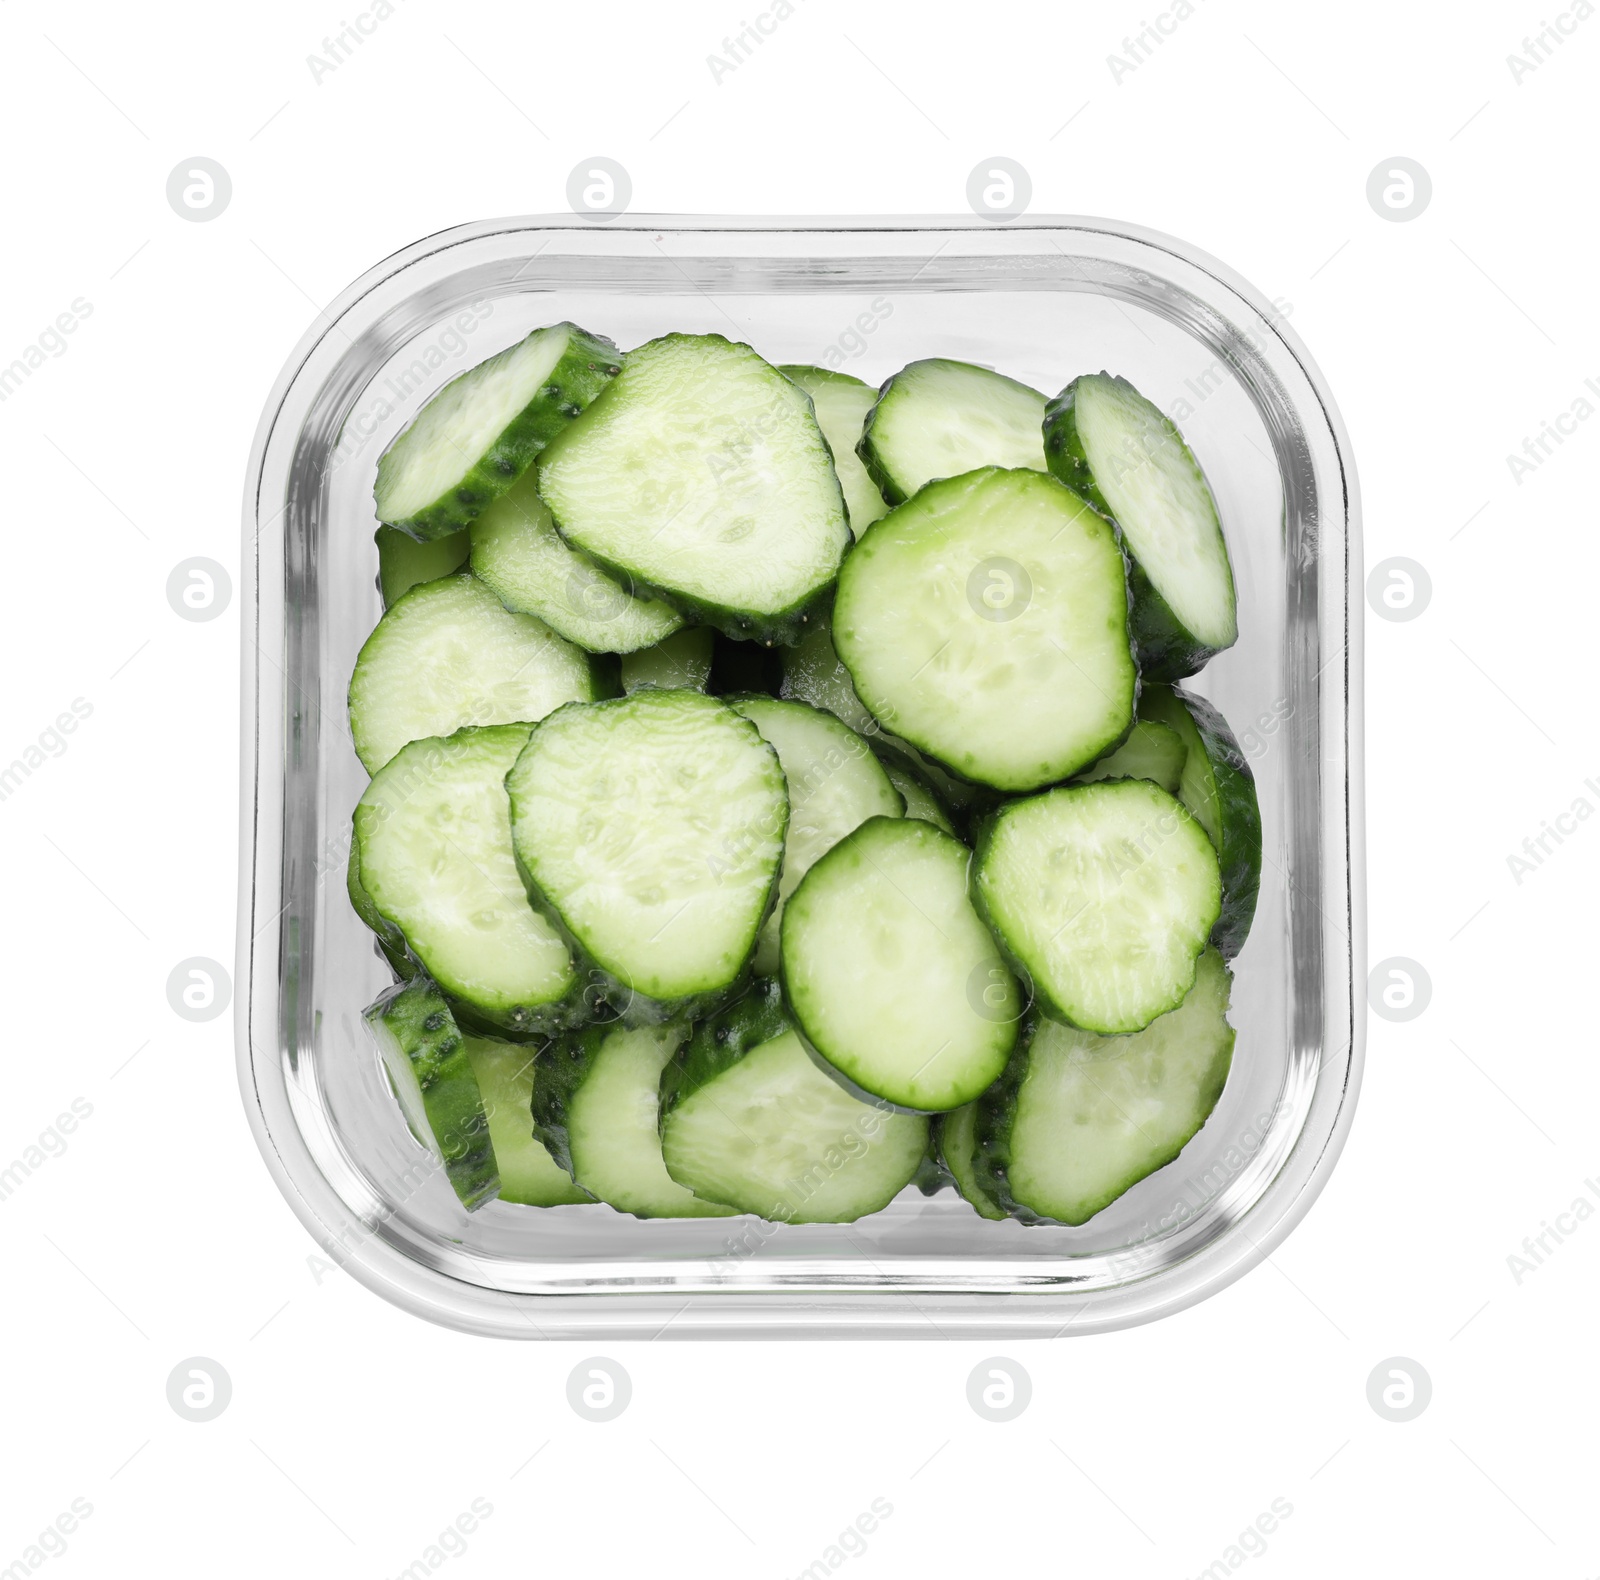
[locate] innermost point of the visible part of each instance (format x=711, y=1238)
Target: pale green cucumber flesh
x=651, y=829
x=891, y=976
x=432, y=1080
x=403, y=563
x=529, y=1176
x=940, y=418
x=958, y=1143
x=835, y=784
x=701, y=475
x=483, y=430
x=680, y=662
x=841, y=403
x=1079, y=1119
x=915, y=790
x=449, y=654
x=433, y=831
x=1120, y=450
x=1103, y=895
x=774, y=1136
x=985, y=621
x=1152, y=751
x=518, y=554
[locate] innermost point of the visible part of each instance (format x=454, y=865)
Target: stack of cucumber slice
x=780, y=790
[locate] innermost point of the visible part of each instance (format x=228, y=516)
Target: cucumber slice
x=390, y=941
x=651, y=830
x=529, y=1176
x=434, y=834
x=701, y=475
x=403, y=563
x=432, y=1080
x=957, y=1136
x=483, y=430
x=448, y=654
x=1078, y=1119
x=985, y=621
x=835, y=785
x=596, y=1105
x=1103, y=895
x=841, y=404
x=941, y=418
x=680, y=662
x=1103, y=438
x=1219, y=788
x=1152, y=751
x=890, y=975
x=518, y=554
x=916, y=790
x=748, y=1119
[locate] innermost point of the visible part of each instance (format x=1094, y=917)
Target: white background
x=355, y=1433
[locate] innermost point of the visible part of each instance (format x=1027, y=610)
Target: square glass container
x=1041, y=298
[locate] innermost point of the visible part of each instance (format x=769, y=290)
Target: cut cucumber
x=841, y=404
x=1126, y=458
x=390, y=941
x=701, y=475
x=957, y=1134
x=748, y=1119
x=1152, y=751
x=1079, y=1119
x=518, y=554
x=596, y=1105
x=1103, y=895
x=1219, y=788
x=448, y=654
x=890, y=975
x=529, y=1176
x=916, y=790
x=651, y=830
x=680, y=662
x=986, y=622
x=483, y=430
x=434, y=834
x=432, y=1080
x=941, y=418
x=835, y=784
x=403, y=563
